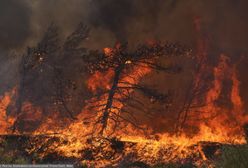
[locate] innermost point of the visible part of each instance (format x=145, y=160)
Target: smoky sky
x=118, y=15
x=14, y=23
x=224, y=22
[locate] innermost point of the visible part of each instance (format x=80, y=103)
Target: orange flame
x=6, y=121
x=215, y=123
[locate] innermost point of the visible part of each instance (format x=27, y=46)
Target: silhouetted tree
x=44, y=70
x=121, y=61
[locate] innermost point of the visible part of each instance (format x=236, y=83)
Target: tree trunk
x=19, y=100
x=112, y=91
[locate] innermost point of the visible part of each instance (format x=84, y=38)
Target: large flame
x=216, y=121
x=6, y=121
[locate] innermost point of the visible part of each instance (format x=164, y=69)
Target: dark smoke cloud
x=117, y=16
x=112, y=15
x=66, y=14
x=15, y=28
x=223, y=21
x=14, y=23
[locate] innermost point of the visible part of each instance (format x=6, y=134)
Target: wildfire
x=215, y=122
x=221, y=119
x=166, y=147
x=218, y=124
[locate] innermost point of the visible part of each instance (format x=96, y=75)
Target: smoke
x=65, y=14
x=8, y=71
x=120, y=16
x=135, y=21
x=15, y=24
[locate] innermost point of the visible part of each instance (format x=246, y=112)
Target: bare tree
x=48, y=64
x=121, y=61
x=43, y=79
x=199, y=86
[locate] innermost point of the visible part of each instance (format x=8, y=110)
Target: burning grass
x=115, y=153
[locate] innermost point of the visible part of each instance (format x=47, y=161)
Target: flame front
x=216, y=121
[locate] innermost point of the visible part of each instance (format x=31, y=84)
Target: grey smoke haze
x=224, y=21
x=15, y=23
x=23, y=22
